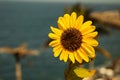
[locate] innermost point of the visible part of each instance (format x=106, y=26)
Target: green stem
x=67, y=72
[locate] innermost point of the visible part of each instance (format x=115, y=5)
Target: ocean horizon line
x=66, y=1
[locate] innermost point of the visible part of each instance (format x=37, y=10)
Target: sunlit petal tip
x=81, y=17
x=73, y=61
x=89, y=22
x=73, y=19
x=55, y=55
x=51, y=27
x=93, y=56
x=78, y=58
x=95, y=33
x=66, y=15
x=87, y=60
x=96, y=44
x=73, y=13
x=93, y=27
x=52, y=36
x=61, y=57
x=56, y=31
x=60, y=20
x=57, y=50
x=66, y=56
x=50, y=44
x=65, y=60
x=71, y=56
x=67, y=20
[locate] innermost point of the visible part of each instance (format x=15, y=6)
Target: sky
x=84, y=1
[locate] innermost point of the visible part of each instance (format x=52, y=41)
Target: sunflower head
x=73, y=39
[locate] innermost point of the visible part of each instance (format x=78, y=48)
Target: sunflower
x=73, y=39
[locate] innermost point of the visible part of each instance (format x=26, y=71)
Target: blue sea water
x=29, y=22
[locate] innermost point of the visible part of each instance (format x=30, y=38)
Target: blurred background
x=29, y=21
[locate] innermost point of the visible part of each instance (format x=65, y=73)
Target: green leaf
x=83, y=72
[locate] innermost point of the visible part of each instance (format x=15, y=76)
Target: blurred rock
x=102, y=70
x=109, y=72
x=111, y=18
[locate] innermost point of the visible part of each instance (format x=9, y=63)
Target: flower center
x=71, y=39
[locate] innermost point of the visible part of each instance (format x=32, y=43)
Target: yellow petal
x=90, y=41
x=77, y=57
x=57, y=50
x=88, y=49
x=73, y=19
x=66, y=56
x=53, y=36
x=89, y=29
x=56, y=31
x=67, y=20
x=54, y=43
x=71, y=56
x=85, y=25
x=91, y=35
x=62, y=55
x=79, y=21
x=61, y=24
x=83, y=55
